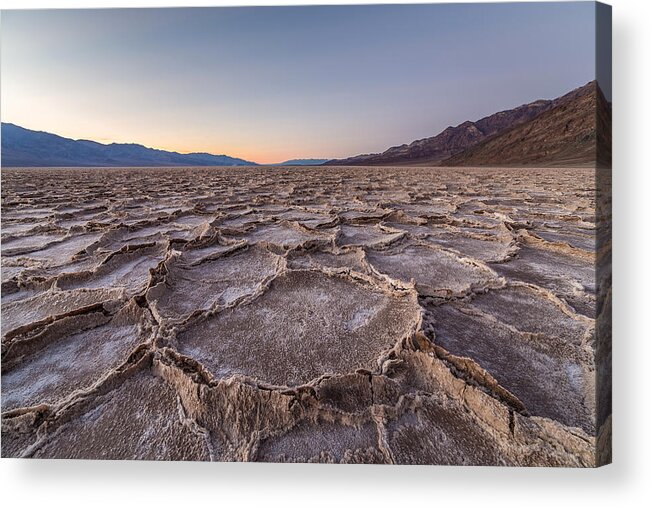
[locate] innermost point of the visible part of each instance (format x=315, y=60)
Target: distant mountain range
x=303, y=161
x=22, y=147
x=563, y=131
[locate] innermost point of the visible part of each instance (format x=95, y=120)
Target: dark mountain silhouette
x=303, y=161
x=22, y=147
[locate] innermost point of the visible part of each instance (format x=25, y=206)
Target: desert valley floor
x=322, y=314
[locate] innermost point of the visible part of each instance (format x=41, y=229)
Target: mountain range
x=574, y=129
x=303, y=161
x=22, y=147
x=562, y=131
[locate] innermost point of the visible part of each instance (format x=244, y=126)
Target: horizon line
x=183, y=152
x=168, y=150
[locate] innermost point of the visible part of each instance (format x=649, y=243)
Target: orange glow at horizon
x=270, y=155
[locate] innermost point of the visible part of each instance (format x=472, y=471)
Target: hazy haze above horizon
x=269, y=84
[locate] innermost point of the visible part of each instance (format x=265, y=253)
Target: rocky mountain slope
x=556, y=132
x=452, y=140
x=564, y=135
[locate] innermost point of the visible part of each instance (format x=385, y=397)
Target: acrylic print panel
x=341, y=234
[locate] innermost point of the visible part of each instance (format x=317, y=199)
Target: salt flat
x=323, y=314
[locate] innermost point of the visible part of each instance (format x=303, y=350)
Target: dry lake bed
x=320, y=314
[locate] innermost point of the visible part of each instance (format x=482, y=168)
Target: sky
x=269, y=84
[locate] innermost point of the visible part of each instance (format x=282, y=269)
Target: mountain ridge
x=576, y=131
x=451, y=140
x=303, y=161
x=22, y=147
x=448, y=147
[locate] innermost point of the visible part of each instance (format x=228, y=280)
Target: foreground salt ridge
x=343, y=315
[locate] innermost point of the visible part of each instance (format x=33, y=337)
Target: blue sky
x=273, y=83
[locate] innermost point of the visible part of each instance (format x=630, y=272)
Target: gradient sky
x=273, y=83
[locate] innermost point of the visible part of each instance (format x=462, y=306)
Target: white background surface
x=626, y=482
